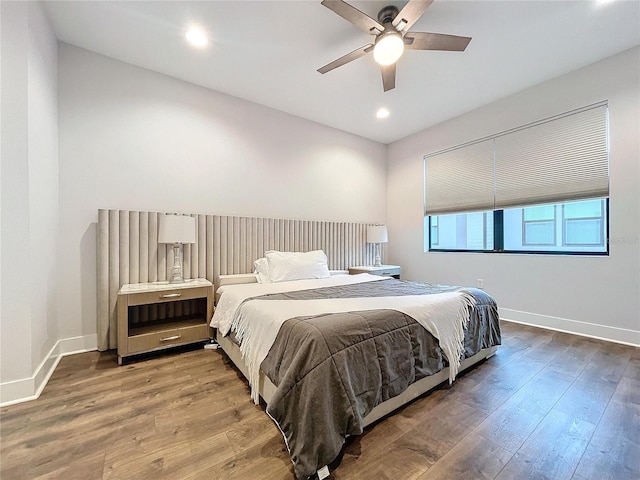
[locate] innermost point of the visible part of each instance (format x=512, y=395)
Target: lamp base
x=377, y=262
x=176, y=271
x=176, y=279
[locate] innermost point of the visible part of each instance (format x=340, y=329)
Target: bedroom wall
x=29, y=193
x=598, y=296
x=134, y=139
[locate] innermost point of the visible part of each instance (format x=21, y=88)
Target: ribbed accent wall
x=128, y=251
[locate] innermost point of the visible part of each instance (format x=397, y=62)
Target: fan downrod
x=387, y=14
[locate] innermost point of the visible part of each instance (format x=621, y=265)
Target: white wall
x=43, y=180
x=598, y=296
x=29, y=193
x=134, y=139
x=16, y=311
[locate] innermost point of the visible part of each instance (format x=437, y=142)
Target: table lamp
x=176, y=230
x=377, y=234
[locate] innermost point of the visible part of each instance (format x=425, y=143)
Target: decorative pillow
x=262, y=270
x=285, y=266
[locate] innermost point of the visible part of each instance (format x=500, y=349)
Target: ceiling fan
x=391, y=36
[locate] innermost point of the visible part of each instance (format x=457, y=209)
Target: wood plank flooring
x=548, y=405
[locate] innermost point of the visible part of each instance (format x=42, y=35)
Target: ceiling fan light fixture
x=388, y=48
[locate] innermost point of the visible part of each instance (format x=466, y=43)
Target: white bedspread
x=256, y=323
x=231, y=296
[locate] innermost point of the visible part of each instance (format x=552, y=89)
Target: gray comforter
x=332, y=370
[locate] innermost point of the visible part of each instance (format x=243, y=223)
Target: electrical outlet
x=480, y=283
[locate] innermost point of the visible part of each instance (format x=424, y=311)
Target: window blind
x=460, y=179
x=555, y=160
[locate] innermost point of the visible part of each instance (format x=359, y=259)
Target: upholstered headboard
x=128, y=251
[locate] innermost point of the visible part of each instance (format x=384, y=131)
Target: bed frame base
x=267, y=389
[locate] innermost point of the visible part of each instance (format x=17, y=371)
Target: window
x=572, y=227
x=539, y=188
x=539, y=225
x=465, y=231
x=584, y=224
x=434, y=231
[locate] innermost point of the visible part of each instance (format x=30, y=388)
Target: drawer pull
x=168, y=339
x=171, y=295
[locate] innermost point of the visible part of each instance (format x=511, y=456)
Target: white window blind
x=460, y=179
x=556, y=160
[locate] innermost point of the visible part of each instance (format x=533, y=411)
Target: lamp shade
x=176, y=229
x=377, y=234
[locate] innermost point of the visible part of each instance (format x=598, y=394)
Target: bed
x=331, y=353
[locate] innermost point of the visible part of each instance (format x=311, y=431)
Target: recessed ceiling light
x=382, y=113
x=197, y=37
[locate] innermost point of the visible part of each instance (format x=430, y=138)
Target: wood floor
x=547, y=406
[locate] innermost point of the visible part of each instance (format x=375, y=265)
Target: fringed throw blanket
x=445, y=314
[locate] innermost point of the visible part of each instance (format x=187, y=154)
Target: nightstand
x=384, y=270
x=159, y=315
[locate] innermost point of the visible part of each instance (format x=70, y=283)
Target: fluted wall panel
x=128, y=251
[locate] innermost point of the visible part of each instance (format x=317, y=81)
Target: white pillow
x=262, y=270
x=284, y=266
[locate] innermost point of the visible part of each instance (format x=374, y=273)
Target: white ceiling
x=268, y=52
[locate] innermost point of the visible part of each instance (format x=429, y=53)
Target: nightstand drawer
x=169, y=337
x=170, y=295
x=383, y=270
x=389, y=272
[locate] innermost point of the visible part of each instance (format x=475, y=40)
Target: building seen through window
x=573, y=227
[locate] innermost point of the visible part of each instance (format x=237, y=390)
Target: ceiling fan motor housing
x=387, y=14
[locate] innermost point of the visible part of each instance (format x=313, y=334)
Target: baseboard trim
x=30, y=388
x=584, y=329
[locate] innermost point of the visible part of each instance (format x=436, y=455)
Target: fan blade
x=435, y=41
x=349, y=57
x=353, y=15
x=410, y=14
x=388, y=76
